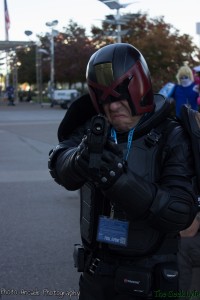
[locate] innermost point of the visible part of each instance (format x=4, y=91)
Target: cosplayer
x=186, y=91
x=133, y=166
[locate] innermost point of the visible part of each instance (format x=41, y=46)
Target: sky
x=33, y=14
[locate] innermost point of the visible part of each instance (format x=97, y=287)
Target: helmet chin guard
x=119, y=72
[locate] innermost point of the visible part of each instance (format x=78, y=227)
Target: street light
x=52, y=24
x=15, y=65
x=115, y=4
x=198, y=30
x=37, y=65
x=40, y=52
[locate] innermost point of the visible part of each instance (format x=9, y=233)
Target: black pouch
x=136, y=281
x=166, y=281
x=79, y=257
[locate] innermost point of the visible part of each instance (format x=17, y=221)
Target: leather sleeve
x=169, y=203
x=65, y=171
x=61, y=162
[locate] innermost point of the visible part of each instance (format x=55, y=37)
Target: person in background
x=29, y=96
x=10, y=94
x=186, y=91
x=196, y=72
x=134, y=168
x=189, y=256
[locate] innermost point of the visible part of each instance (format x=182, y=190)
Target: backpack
x=190, y=120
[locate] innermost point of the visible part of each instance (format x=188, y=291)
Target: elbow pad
x=53, y=154
x=132, y=194
x=62, y=168
x=170, y=213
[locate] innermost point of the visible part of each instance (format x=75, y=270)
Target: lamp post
x=29, y=33
x=16, y=65
x=38, y=63
x=40, y=53
x=198, y=31
x=118, y=21
x=52, y=24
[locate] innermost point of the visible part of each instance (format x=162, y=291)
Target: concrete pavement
x=39, y=219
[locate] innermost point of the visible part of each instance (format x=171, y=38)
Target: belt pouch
x=166, y=280
x=135, y=281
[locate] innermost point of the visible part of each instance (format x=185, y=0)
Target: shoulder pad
x=79, y=112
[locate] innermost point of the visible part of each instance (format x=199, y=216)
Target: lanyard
x=130, y=138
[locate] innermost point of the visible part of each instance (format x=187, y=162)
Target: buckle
x=152, y=138
x=94, y=265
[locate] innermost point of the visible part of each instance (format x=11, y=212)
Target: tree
x=164, y=49
x=27, y=69
x=72, y=52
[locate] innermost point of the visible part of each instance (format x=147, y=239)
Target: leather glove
x=112, y=166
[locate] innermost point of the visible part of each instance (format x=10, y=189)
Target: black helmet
x=119, y=71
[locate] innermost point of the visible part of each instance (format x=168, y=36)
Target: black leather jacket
x=155, y=195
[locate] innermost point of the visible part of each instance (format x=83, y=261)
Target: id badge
x=112, y=231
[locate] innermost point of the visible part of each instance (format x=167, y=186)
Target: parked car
x=63, y=97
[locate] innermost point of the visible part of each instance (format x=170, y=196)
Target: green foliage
x=164, y=49
x=27, y=69
x=73, y=49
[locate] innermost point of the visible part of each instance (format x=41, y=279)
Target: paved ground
x=39, y=219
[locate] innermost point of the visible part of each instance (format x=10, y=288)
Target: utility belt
x=143, y=277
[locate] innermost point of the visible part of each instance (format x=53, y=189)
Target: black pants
x=100, y=288
x=188, y=257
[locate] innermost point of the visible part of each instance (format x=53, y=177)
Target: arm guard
x=53, y=154
x=170, y=206
x=61, y=167
x=166, y=210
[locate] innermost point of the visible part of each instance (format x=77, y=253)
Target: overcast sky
x=33, y=14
